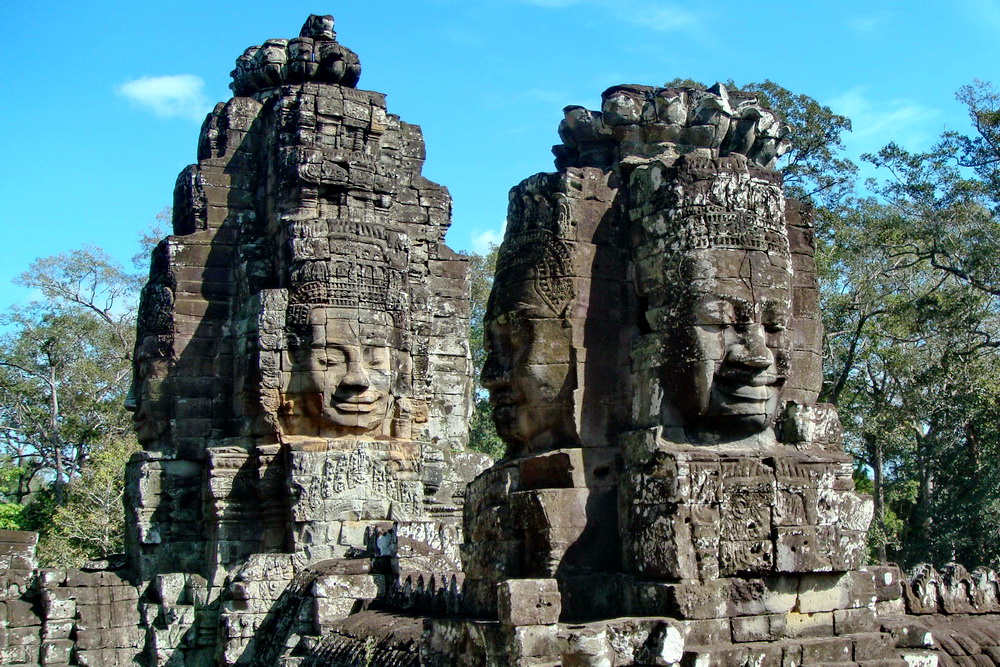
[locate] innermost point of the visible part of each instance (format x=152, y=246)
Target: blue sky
x=103, y=101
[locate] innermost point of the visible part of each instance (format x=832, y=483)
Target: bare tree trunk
x=977, y=531
x=54, y=432
x=925, y=496
x=878, y=495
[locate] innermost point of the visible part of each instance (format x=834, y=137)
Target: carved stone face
x=529, y=375
x=273, y=52
x=730, y=343
x=318, y=27
x=340, y=379
x=148, y=398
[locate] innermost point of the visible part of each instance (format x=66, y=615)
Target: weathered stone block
x=56, y=651
x=819, y=624
x=824, y=592
x=751, y=629
x=661, y=541
x=908, y=632
x=745, y=557
x=834, y=649
x=721, y=655
x=49, y=577
x=536, y=641
x=57, y=604
x=357, y=586
x=874, y=646
x=557, y=469
x=707, y=632
x=851, y=621
x=529, y=602
x=694, y=601
x=57, y=629
x=801, y=549
x=21, y=614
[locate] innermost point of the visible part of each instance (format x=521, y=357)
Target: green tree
x=950, y=195
x=65, y=367
x=910, y=308
x=60, y=381
x=90, y=523
x=482, y=432
x=909, y=363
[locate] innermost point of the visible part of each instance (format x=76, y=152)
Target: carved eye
x=519, y=334
x=376, y=357
x=717, y=312
x=332, y=358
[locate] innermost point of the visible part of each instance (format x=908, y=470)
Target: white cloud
x=553, y=4
x=659, y=16
x=650, y=14
x=866, y=25
x=482, y=241
x=876, y=123
x=174, y=96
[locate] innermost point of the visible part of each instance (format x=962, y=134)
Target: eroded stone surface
x=302, y=373
x=302, y=358
x=672, y=493
x=654, y=347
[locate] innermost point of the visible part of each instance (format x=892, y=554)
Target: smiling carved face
x=149, y=396
x=732, y=349
x=530, y=379
x=341, y=382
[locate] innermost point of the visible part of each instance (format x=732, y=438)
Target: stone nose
x=131, y=404
x=751, y=350
x=493, y=374
x=356, y=377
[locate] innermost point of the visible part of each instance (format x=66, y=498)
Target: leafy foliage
x=91, y=523
x=11, y=516
x=813, y=168
x=910, y=301
x=482, y=434
x=65, y=367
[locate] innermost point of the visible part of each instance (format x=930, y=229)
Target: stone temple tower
x=672, y=493
x=654, y=348
x=302, y=365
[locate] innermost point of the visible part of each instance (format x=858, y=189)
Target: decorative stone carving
x=672, y=492
x=314, y=56
x=652, y=339
x=302, y=365
x=712, y=266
